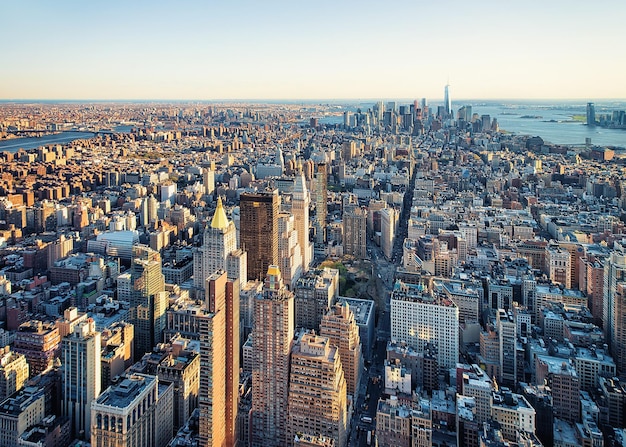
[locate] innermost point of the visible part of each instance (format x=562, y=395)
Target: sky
x=340, y=49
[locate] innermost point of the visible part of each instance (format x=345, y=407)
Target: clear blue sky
x=109, y=49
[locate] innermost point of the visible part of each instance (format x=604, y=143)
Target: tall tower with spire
x=446, y=99
x=220, y=240
x=300, y=209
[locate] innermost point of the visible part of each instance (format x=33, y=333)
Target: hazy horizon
x=309, y=100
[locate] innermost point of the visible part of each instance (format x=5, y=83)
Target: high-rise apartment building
x=39, y=343
x=220, y=240
x=13, y=372
x=258, y=230
x=560, y=375
x=614, y=273
x=237, y=267
x=300, y=209
x=419, y=317
x=618, y=326
x=148, y=299
x=219, y=361
x=289, y=250
x=272, y=338
x=182, y=368
x=340, y=327
x=591, y=282
x=388, y=220
x=476, y=384
x=80, y=357
x=507, y=333
x=321, y=207
x=212, y=395
x=317, y=390
x=315, y=293
x=355, y=231
x=232, y=359
x=208, y=180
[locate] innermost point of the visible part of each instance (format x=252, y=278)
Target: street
x=372, y=381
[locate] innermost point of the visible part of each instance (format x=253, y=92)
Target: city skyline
x=277, y=50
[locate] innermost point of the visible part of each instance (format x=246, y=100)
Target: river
x=551, y=120
x=27, y=143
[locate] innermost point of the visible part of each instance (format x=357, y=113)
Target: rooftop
x=564, y=433
x=362, y=309
x=17, y=403
x=417, y=293
x=122, y=394
x=557, y=365
x=507, y=399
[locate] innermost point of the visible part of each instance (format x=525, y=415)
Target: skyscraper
x=232, y=360
x=212, y=395
x=148, y=301
x=447, y=101
x=388, y=222
x=618, y=327
x=208, y=180
x=219, y=361
x=318, y=406
x=300, y=209
x=614, y=273
x=340, y=327
x=591, y=114
x=220, y=240
x=315, y=293
x=507, y=332
x=258, y=230
x=355, y=231
x=271, y=340
x=237, y=267
x=289, y=250
x=80, y=356
x=321, y=185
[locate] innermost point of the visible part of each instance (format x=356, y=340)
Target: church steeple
x=220, y=221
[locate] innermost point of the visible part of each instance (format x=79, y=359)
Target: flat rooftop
x=122, y=394
x=362, y=309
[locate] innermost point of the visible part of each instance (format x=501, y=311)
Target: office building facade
x=258, y=230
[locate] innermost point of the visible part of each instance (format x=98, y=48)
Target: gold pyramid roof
x=220, y=221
